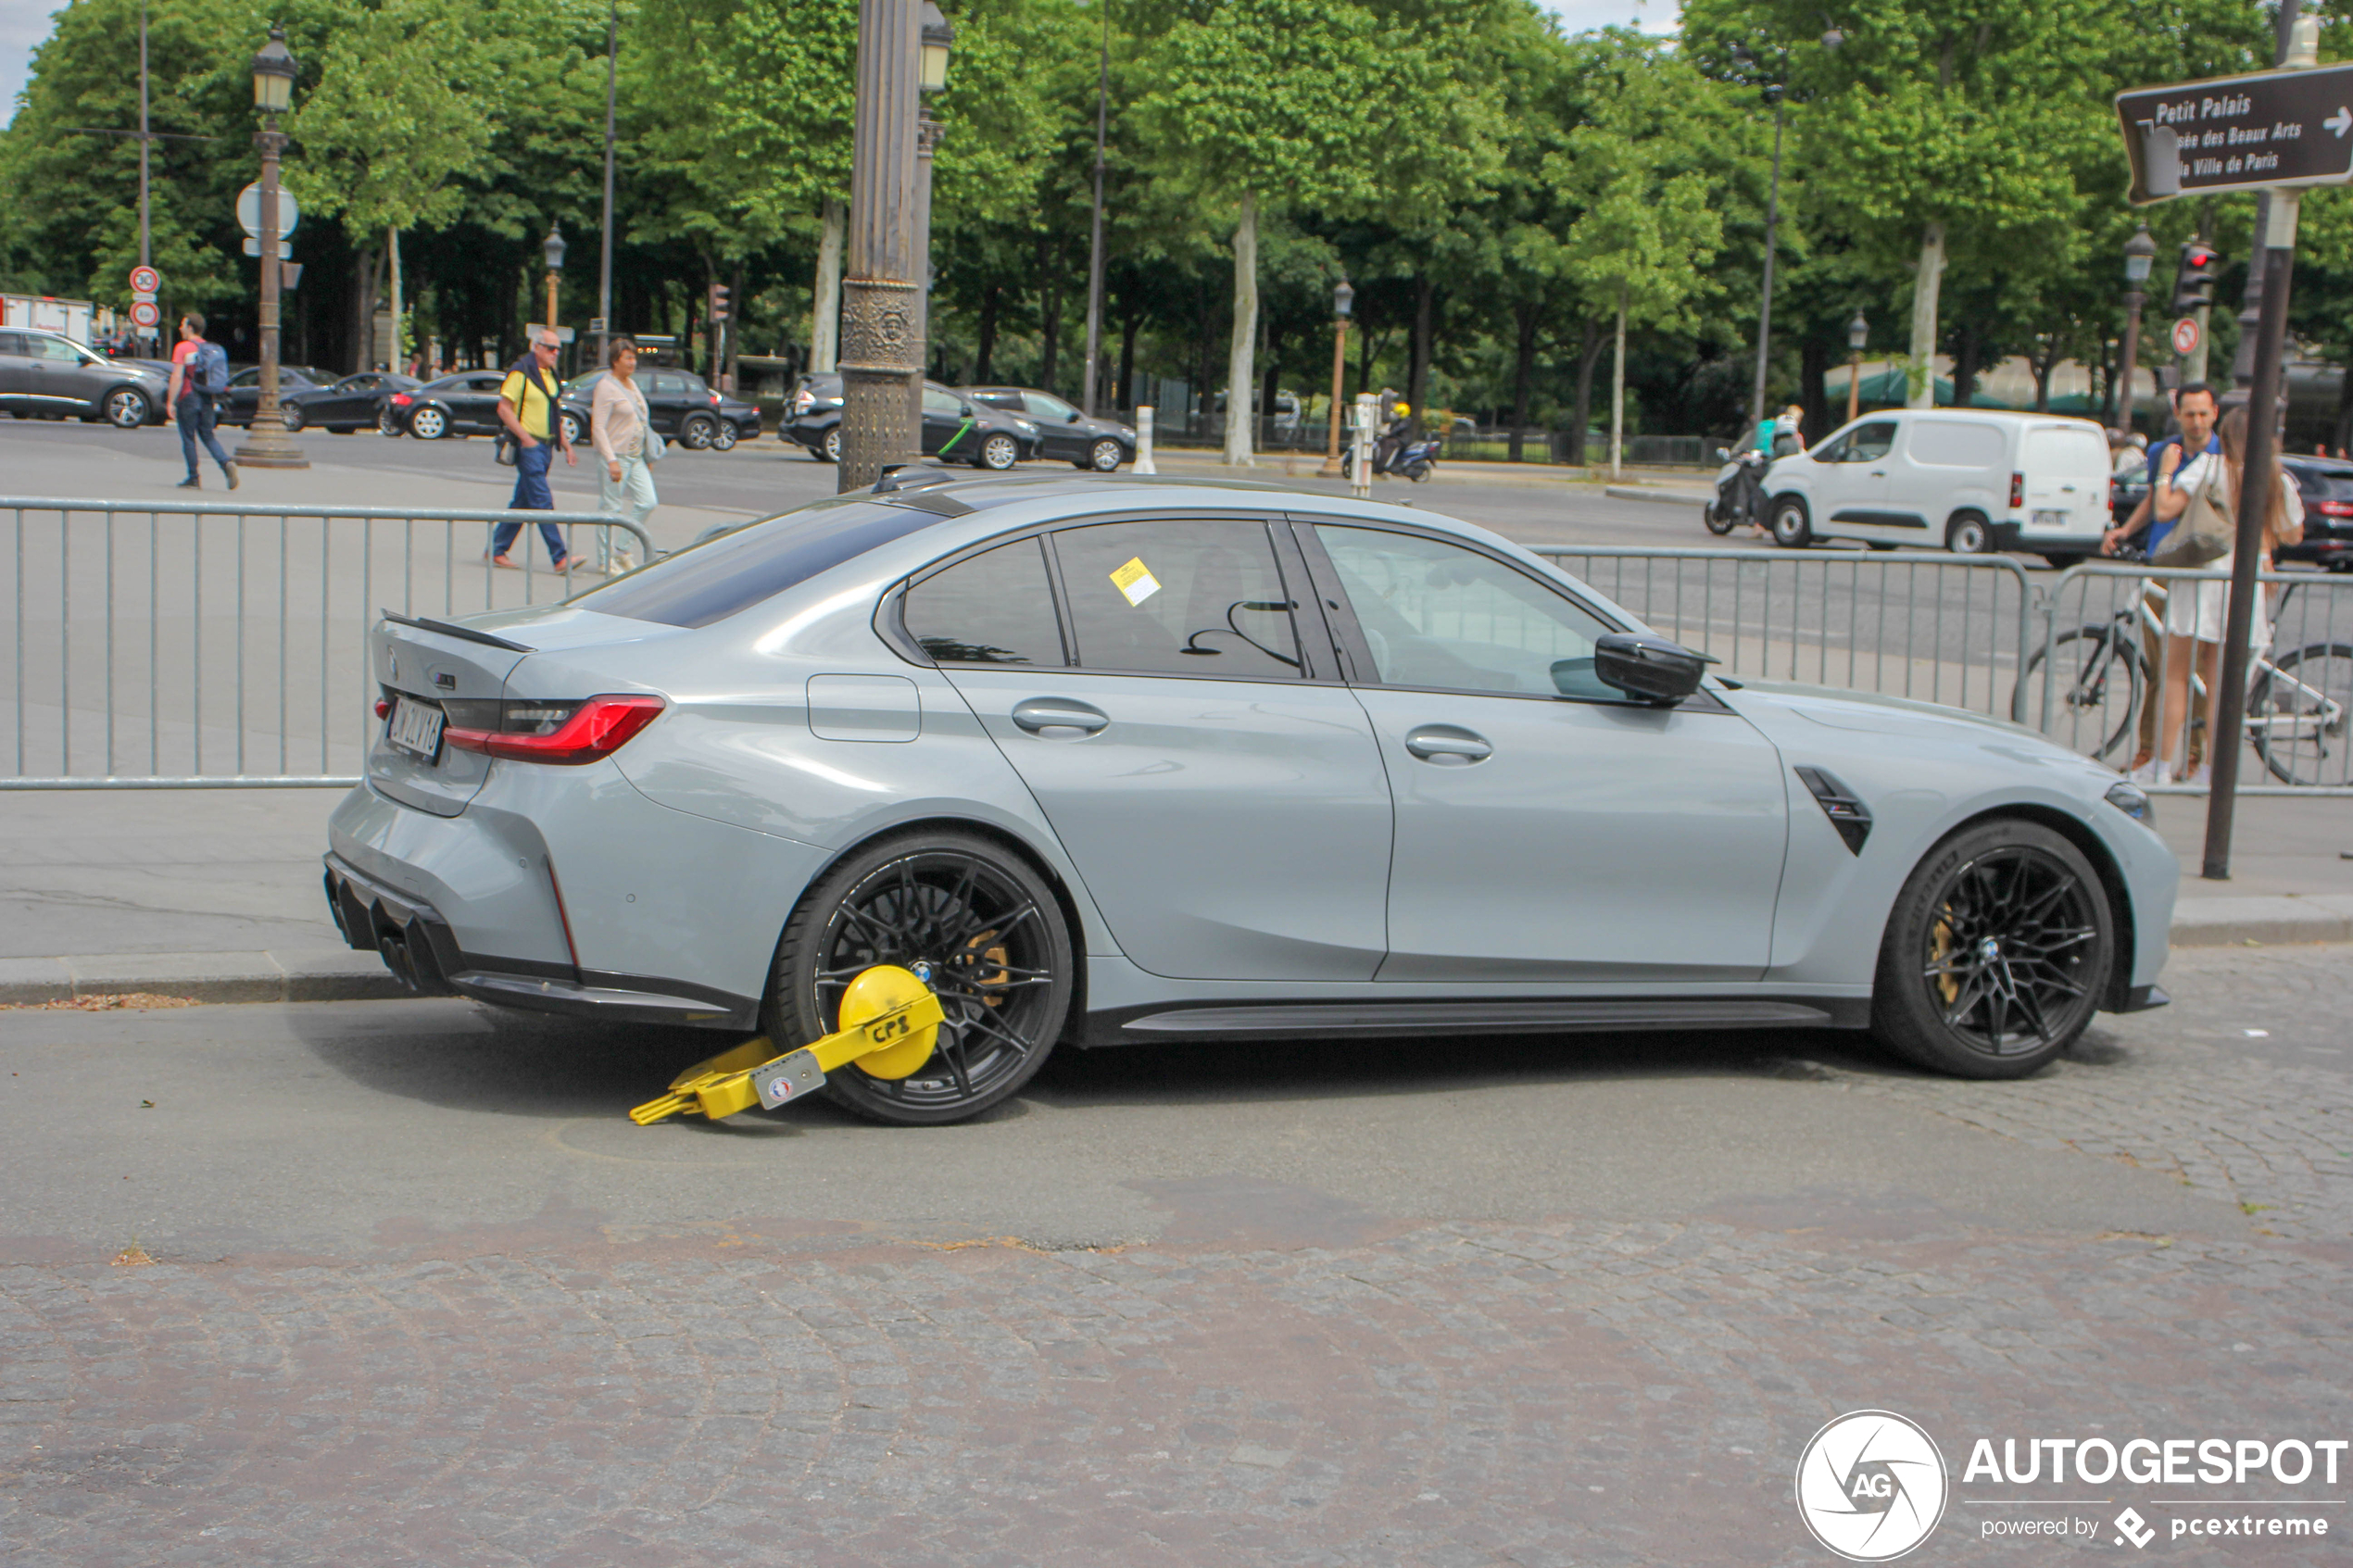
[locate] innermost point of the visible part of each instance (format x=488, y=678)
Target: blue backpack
x=209, y=368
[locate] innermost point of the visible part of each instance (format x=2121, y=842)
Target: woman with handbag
x=622, y=429
x=2204, y=494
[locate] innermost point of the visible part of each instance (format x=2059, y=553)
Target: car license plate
x=415, y=727
x=2051, y=520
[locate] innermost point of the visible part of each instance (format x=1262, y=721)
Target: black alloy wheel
x=973, y=922
x=695, y=433
x=388, y=421
x=1720, y=517
x=1997, y=953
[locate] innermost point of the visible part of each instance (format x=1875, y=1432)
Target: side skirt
x=1145, y=1025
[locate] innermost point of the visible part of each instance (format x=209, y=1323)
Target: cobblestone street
x=1198, y=1354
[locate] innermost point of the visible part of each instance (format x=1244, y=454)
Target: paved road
x=420, y=1295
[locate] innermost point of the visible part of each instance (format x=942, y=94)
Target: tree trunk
x=1965, y=366
x=1523, y=372
x=1417, y=356
x=363, y=263
x=985, y=355
x=2043, y=362
x=1270, y=381
x=825, y=319
x=1813, y=363
x=392, y=261
x=1588, y=353
x=1123, y=395
x=1618, y=390
x=1926, y=281
x=1239, y=368
x=1050, y=316
x=734, y=339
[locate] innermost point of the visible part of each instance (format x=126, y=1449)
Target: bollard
x=1360, y=450
x=1144, y=439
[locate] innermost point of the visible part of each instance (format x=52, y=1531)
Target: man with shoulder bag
x=527, y=411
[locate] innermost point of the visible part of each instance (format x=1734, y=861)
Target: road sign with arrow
x=2251, y=133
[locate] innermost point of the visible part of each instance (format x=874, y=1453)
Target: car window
x=11, y=342
x=1436, y=614
x=485, y=383
x=245, y=378
x=54, y=350
x=1046, y=406
x=1871, y=443
x=582, y=385
x=948, y=403
x=1009, y=401
x=732, y=571
x=669, y=383
x=995, y=609
x=1178, y=597
x=1832, y=451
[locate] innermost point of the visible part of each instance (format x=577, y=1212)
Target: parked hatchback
x=1973, y=480
x=683, y=408
x=955, y=425
x=1080, y=439
x=2326, y=484
x=46, y=374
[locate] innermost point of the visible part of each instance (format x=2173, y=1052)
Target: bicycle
x=2297, y=703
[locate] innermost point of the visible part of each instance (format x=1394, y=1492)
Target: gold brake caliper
x=889, y=1020
x=1948, y=984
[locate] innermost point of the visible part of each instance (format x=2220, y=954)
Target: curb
x=332, y=975
x=1672, y=498
x=2228, y=923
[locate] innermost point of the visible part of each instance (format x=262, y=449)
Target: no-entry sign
x=2240, y=132
x=2186, y=335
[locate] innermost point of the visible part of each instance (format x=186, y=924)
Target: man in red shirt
x=199, y=369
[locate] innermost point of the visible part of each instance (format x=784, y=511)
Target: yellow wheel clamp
x=890, y=1020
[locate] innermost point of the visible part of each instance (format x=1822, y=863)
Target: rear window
x=727, y=575
x=1955, y=443
x=2080, y=453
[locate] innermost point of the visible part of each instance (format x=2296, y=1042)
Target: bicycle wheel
x=2098, y=682
x=2295, y=714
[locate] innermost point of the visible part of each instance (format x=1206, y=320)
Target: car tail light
x=2018, y=490
x=2336, y=508
x=714, y=400
x=401, y=400
x=566, y=733
x=383, y=708
x=803, y=400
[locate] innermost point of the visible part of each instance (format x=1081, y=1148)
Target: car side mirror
x=1649, y=669
x=1073, y=418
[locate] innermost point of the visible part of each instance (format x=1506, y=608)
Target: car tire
x=724, y=435
x=127, y=407
x=1997, y=953
x=388, y=423
x=290, y=416
x=575, y=432
x=428, y=423
x=1878, y=545
x=1104, y=456
x=1718, y=517
x=1793, y=526
x=975, y=921
x=1968, y=534
x=695, y=433
x=830, y=448
x=2059, y=560
x=998, y=453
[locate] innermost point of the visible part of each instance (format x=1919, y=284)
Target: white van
x=1971, y=479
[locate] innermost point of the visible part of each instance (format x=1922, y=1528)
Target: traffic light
x=2194, y=284
x=719, y=302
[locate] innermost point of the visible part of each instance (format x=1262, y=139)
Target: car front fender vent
x=1849, y=815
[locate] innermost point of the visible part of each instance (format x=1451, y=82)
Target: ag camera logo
x=1870, y=1486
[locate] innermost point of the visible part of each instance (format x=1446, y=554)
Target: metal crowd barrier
x=192, y=644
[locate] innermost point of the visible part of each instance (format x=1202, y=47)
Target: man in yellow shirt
x=527, y=407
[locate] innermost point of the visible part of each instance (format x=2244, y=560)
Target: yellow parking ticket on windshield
x=1136, y=581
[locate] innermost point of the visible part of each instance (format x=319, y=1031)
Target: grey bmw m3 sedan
x=1112, y=762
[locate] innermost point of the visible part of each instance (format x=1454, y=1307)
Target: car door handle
x=1879, y=473
x=1039, y=714
x=2069, y=489
x=1446, y=744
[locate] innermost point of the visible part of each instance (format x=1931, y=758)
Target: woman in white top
x=619, y=423
x=2197, y=613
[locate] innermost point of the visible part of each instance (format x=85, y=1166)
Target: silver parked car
x=1122, y=762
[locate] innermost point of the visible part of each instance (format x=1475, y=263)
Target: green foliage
x=400, y=111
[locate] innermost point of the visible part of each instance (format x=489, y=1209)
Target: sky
x=24, y=23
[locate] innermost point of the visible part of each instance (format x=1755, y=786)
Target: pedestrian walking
x=198, y=370
x=623, y=431
x=527, y=411
x=2197, y=613
x=2145, y=531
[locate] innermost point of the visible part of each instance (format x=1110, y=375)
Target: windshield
x=727, y=575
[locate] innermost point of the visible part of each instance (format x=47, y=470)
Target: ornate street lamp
x=553, y=248
x=939, y=40
x=1858, y=333
x=267, y=444
x=1343, y=308
x=2139, y=252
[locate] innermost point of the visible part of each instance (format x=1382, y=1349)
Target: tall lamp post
x=939, y=42
x=553, y=248
x=1343, y=306
x=1858, y=333
x=604, y=237
x=881, y=324
x=2139, y=252
x=267, y=444
x=1095, y=245
x=1775, y=93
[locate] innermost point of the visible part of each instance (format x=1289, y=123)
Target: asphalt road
x=397, y=1282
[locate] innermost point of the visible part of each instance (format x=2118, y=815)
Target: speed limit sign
x=146, y=280
x=2186, y=335
x=144, y=315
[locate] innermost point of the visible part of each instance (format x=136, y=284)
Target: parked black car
x=463, y=403
x=356, y=402
x=1081, y=439
x=47, y=375
x=683, y=408
x=2326, y=484
x=245, y=389
x=954, y=426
